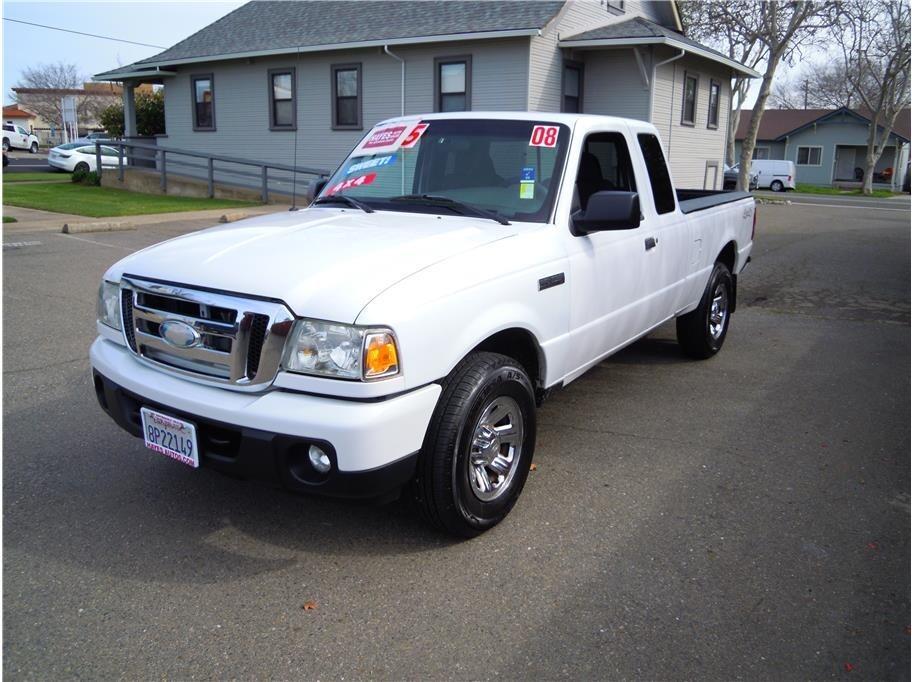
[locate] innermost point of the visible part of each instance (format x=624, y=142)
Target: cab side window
x=663, y=193
x=604, y=166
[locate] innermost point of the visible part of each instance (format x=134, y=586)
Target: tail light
x=790, y=178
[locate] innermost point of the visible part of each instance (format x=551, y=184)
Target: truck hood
x=324, y=263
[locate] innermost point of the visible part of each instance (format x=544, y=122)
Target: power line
x=80, y=33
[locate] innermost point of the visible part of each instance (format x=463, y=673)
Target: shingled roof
x=265, y=26
x=777, y=123
x=640, y=30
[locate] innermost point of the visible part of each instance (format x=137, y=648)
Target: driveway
x=742, y=517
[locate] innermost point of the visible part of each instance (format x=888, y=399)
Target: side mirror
x=314, y=187
x=607, y=211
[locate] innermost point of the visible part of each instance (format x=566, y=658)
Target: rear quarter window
x=662, y=192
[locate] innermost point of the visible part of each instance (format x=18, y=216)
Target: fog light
x=319, y=459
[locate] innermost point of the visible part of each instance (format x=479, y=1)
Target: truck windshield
x=504, y=169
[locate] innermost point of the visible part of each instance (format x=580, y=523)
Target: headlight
x=341, y=350
x=109, y=304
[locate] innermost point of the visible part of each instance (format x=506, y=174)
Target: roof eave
x=136, y=74
x=445, y=38
x=663, y=40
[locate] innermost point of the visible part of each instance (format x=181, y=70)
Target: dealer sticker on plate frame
x=170, y=436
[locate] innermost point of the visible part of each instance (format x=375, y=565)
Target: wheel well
x=727, y=256
x=520, y=345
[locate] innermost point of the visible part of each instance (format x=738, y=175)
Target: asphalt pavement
x=742, y=517
x=24, y=162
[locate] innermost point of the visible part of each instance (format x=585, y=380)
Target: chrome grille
x=236, y=341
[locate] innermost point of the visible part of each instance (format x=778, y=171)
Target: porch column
x=129, y=105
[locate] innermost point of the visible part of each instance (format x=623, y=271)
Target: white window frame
x=809, y=147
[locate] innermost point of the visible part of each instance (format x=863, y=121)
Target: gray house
x=274, y=78
x=828, y=146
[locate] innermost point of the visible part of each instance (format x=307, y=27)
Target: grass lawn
x=34, y=177
x=816, y=189
x=9, y=219
x=105, y=202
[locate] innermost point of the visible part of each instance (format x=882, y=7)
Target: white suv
x=18, y=137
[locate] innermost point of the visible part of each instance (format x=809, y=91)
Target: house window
x=346, y=84
x=203, y=102
x=809, y=156
x=712, y=118
x=689, y=105
x=663, y=194
x=282, y=104
x=573, y=88
x=453, y=84
x=761, y=153
x=616, y=6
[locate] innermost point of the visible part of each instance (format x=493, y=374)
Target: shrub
x=81, y=177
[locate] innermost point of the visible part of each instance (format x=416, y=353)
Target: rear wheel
x=479, y=446
x=82, y=166
x=702, y=332
x=777, y=186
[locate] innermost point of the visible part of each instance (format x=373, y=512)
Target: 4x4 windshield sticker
x=378, y=162
x=351, y=182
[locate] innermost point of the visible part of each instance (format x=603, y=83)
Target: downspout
x=402, y=78
x=671, y=106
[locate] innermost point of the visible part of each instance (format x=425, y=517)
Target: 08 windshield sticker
x=351, y=182
x=378, y=162
x=544, y=136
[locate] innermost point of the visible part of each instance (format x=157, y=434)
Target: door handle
x=651, y=243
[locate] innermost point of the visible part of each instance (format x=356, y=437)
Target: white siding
x=545, y=58
x=689, y=148
x=499, y=82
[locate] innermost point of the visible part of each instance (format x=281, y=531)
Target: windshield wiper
x=354, y=203
x=458, y=206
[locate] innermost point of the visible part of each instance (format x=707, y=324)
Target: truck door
x=675, y=249
x=608, y=274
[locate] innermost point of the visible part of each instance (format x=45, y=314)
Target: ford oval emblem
x=179, y=334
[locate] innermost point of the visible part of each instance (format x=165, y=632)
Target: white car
x=81, y=156
x=17, y=137
x=400, y=332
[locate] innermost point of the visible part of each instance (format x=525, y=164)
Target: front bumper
x=372, y=444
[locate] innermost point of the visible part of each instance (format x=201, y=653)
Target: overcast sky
x=158, y=23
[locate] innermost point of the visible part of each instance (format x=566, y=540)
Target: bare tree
x=709, y=23
x=874, y=37
x=783, y=27
x=51, y=79
x=818, y=86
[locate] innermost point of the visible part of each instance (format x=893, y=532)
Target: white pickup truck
x=17, y=137
x=400, y=331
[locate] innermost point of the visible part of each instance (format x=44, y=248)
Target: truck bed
x=692, y=200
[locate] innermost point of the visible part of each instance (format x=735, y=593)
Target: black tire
x=34, y=148
x=777, y=186
x=5, y=145
x=699, y=333
x=443, y=487
x=81, y=166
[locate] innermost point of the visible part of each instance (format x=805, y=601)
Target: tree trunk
x=750, y=139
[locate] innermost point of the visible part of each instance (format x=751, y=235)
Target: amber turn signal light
x=381, y=358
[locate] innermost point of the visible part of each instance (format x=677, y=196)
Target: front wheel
x=34, y=148
x=777, y=186
x=478, y=448
x=702, y=332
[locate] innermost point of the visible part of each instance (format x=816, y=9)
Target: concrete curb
x=77, y=228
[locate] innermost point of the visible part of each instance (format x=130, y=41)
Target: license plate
x=170, y=436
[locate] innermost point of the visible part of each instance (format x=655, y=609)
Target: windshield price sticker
x=351, y=182
x=387, y=139
x=544, y=136
x=379, y=162
x=412, y=138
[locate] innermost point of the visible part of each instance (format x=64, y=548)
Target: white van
x=774, y=174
